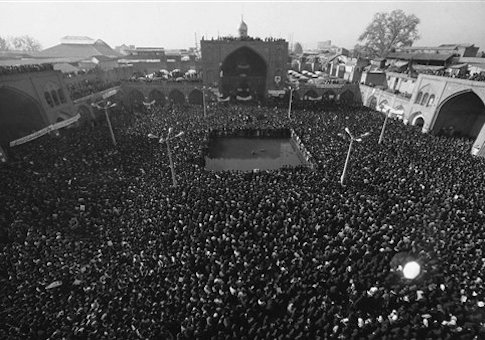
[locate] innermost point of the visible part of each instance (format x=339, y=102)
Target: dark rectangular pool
x=249, y=153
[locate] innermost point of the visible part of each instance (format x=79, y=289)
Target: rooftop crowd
x=469, y=76
x=87, y=87
x=15, y=69
x=245, y=38
x=98, y=245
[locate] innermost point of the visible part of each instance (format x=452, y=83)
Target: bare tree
x=25, y=43
x=298, y=49
x=3, y=44
x=389, y=31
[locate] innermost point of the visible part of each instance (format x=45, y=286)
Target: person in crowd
x=97, y=244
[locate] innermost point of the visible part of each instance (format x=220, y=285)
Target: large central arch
x=20, y=115
x=243, y=72
x=461, y=114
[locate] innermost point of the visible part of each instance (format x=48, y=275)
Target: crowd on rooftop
x=87, y=87
x=246, y=38
x=15, y=69
x=460, y=75
x=96, y=244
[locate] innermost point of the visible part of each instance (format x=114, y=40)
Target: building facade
x=439, y=105
x=244, y=67
x=31, y=98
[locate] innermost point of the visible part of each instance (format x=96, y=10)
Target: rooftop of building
x=439, y=47
x=82, y=47
x=420, y=56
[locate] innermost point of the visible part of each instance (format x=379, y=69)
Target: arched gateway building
x=244, y=68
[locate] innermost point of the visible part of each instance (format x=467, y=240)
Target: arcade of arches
x=26, y=120
x=462, y=115
x=243, y=74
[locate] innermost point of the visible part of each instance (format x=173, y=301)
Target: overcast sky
x=174, y=24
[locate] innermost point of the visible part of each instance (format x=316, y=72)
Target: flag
x=54, y=284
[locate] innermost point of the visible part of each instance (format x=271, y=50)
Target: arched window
x=54, y=96
x=52, y=89
x=425, y=98
x=418, y=97
x=48, y=99
x=430, y=100
x=61, y=95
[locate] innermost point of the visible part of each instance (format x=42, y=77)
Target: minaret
x=243, y=29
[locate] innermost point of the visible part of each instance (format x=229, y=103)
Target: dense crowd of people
x=478, y=76
x=15, y=69
x=245, y=38
x=96, y=244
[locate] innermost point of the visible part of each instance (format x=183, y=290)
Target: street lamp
x=167, y=140
x=352, y=139
x=289, y=104
x=203, y=99
x=381, y=137
x=107, y=106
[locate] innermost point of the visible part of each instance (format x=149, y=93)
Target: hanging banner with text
x=45, y=130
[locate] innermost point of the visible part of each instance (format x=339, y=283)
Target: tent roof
x=82, y=51
x=420, y=56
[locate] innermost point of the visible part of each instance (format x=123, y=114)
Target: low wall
x=305, y=157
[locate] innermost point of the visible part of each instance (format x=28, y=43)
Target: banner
x=110, y=93
x=277, y=93
x=245, y=99
x=223, y=100
x=314, y=98
x=45, y=130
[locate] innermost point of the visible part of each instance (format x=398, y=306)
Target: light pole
x=107, y=106
x=203, y=100
x=381, y=137
x=289, y=104
x=352, y=139
x=167, y=140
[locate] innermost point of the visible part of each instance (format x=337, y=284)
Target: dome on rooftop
x=243, y=29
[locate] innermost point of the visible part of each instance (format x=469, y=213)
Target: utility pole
x=107, y=106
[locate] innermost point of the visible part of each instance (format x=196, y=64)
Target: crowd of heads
x=15, y=69
x=246, y=38
x=475, y=76
x=97, y=244
x=166, y=76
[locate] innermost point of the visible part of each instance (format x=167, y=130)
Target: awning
x=457, y=66
x=400, y=63
x=427, y=67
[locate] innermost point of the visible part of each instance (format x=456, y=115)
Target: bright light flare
x=411, y=270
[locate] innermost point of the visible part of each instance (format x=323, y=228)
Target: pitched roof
x=420, y=56
x=87, y=50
